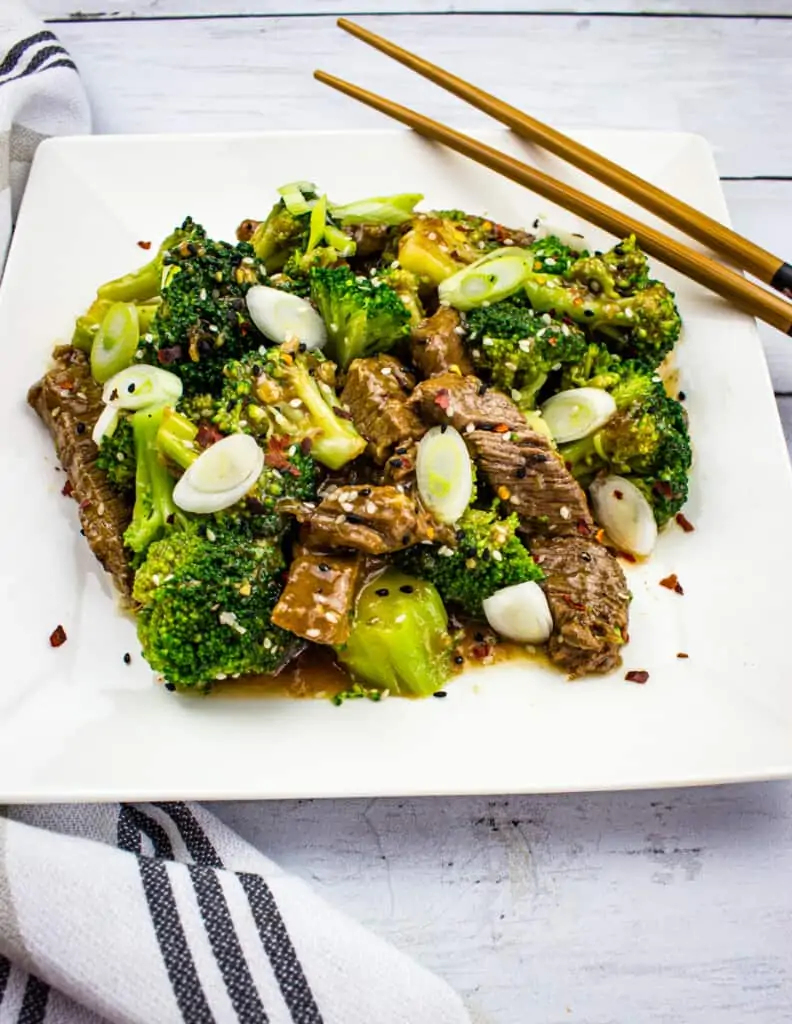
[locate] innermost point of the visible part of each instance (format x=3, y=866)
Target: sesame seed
x=469, y=428
x=565, y=512
x=312, y=634
x=470, y=563
x=386, y=371
x=497, y=556
x=371, y=508
x=331, y=616
x=445, y=551
x=400, y=618
x=347, y=506
x=210, y=536
x=267, y=644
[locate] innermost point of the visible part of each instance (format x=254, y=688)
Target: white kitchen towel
x=40, y=95
x=160, y=914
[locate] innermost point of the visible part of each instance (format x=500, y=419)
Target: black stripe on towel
x=195, y=839
x=282, y=955
x=156, y=833
x=128, y=836
x=226, y=946
x=41, y=58
x=5, y=970
x=34, y=1002
x=172, y=941
x=11, y=59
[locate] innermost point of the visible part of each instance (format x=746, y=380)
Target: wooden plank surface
x=726, y=79
x=82, y=9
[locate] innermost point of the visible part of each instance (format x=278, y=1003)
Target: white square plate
x=77, y=723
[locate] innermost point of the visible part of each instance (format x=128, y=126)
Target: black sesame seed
x=479, y=638
x=482, y=389
x=401, y=451
x=406, y=589
x=459, y=660
x=440, y=693
x=681, y=396
x=302, y=347
x=257, y=370
x=485, y=554
x=588, y=312
x=127, y=658
x=355, y=520
x=382, y=592
x=585, y=556
x=131, y=387
x=521, y=473
x=405, y=539
x=170, y=686
x=80, y=428
x=324, y=567
x=364, y=492
x=396, y=463
x=443, y=428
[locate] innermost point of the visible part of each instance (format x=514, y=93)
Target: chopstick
x=734, y=247
x=724, y=282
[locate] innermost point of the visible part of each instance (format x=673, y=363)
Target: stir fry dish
x=368, y=429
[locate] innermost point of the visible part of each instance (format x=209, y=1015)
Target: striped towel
x=155, y=914
x=158, y=914
x=40, y=95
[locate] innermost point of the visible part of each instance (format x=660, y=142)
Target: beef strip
x=377, y=393
x=520, y=465
x=589, y=600
x=437, y=345
x=69, y=402
x=319, y=596
x=374, y=520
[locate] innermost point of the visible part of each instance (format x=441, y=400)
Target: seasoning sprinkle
x=637, y=676
x=382, y=592
x=440, y=693
x=406, y=589
x=681, y=654
x=57, y=636
x=127, y=658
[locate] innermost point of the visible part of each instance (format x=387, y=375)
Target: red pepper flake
x=85, y=503
x=172, y=354
x=57, y=637
x=552, y=341
x=573, y=604
x=682, y=654
x=208, y=434
x=67, y=489
x=144, y=245
x=502, y=428
x=481, y=651
x=626, y=556
x=276, y=457
x=66, y=385
x=637, y=676
x=583, y=528
x=618, y=495
x=672, y=583
x=442, y=399
x=685, y=523
x=663, y=488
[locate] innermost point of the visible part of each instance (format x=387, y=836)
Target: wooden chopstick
x=734, y=247
x=725, y=282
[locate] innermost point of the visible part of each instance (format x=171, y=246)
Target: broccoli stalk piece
x=488, y=556
x=518, y=348
x=362, y=316
x=144, y=284
x=399, y=640
x=206, y=598
x=277, y=237
x=154, y=508
x=646, y=440
x=87, y=326
x=117, y=458
x=176, y=439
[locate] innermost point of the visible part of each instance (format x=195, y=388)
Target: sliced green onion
x=390, y=210
x=577, y=413
x=106, y=424
x=142, y=385
x=116, y=341
x=536, y=422
x=339, y=240
x=485, y=281
x=625, y=514
x=318, y=222
x=520, y=613
x=281, y=316
x=294, y=199
x=444, y=473
x=220, y=476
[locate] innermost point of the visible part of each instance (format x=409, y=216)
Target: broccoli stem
x=337, y=442
x=142, y=284
x=154, y=507
x=176, y=438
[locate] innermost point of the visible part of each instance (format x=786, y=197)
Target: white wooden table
x=665, y=907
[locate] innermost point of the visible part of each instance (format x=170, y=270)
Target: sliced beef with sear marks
x=319, y=595
x=437, y=344
x=69, y=402
x=376, y=392
x=589, y=600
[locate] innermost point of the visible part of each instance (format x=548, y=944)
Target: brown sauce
x=315, y=673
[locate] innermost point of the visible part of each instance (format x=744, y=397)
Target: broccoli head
x=206, y=598
x=643, y=324
x=597, y=368
x=295, y=276
x=551, y=256
x=647, y=440
x=406, y=287
x=363, y=316
x=488, y=556
x=117, y=458
x=399, y=639
x=203, y=319
x=518, y=348
x=277, y=237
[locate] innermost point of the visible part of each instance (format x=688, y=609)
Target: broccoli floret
x=488, y=556
x=628, y=266
x=435, y=248
x=406, y=287
x=399, y=640
x=206, y=598
x=647, y=440
x=643, y=325
x=117, y=458
x=277, y=237
x=203, y=319
x=289, y=397
x=518, y=348
x=154, y=508
x=598, y=368
x=551, y=256
x=362, y=317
